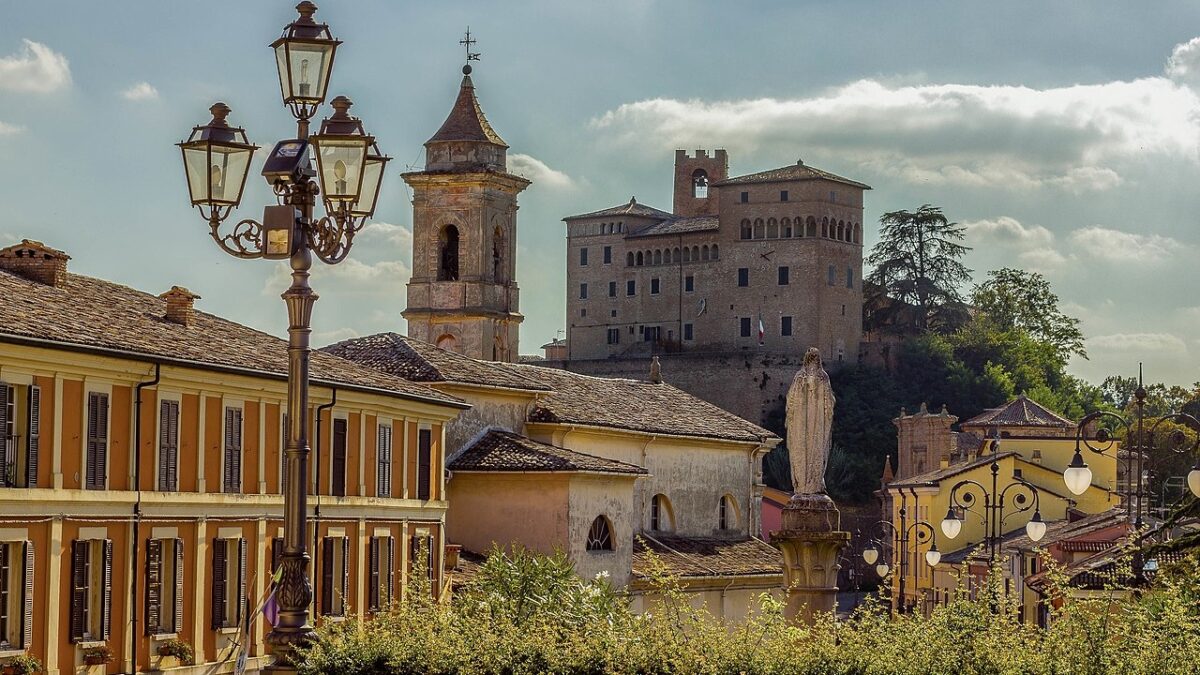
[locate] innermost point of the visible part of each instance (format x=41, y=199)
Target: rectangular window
x=424, y=462
x=16, y=595
x=97, y=441
x=654, y=287
x=612, y=289
x=687, y=331
x=583, y=291
x=631, y=287
x=849, y=277
x=785, y=326
x=421, y=554
x=783, y=195
x=583, y=256
x=689, y=283
x=607, y=255
x=232, y=473
x=832, y=275
x=168, y=446
x=335, y=575
x=745, y=197
x=381, y=573
x=784, y=276
x=91, y=589
x=229, y=582
x=614, y=336
x=337, y=471
x=20, y=424
x=651, y=333
x=383, y=453
x=164, y=586
x=743, y=276
x=745, y=326
x=832, y=196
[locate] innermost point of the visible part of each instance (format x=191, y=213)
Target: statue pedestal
x=810, y=541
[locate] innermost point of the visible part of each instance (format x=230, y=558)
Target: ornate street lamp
x=918, y=531
x=1139, y=444
x=216, y=161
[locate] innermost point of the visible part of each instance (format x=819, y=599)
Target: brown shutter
x=391, y=568
x=178, y=625
x=429, y=558
x=79, y=589
x=384, y=453
x=219, y=582
x=345, y=574
x=4, y=455
x=283, y=478
x=35, y=432
x=97, y=441
x=276, y=554
x=373, y=576
x=424, y=470
x=241, y=610
x=168, y=446
x=27, y=601
x=338, y=488
x=106, y=608
x=327, y=576
x=233, y=450
x=153, y=586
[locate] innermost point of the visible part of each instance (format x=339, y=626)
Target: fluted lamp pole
x=216, y=162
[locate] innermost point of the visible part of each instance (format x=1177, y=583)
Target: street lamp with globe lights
x=350, y=166
x=900, y=536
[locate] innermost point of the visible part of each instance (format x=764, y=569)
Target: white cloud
x=142, y=91
x=1038, y=248
x=536, y=170
x=36, y=68
x=1032, y=244
x=1138, y=342
x=1072, y=138
x=9, y=129
x=336, y=335
x=1114, y=245
x=396, y=235
x=1184, y=62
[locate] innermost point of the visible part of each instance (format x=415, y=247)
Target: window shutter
x=327, y=575
x=373, y=576
x=345, y=573
x=168, y=449
x=338, y=488
x=241, y=608
x=97, y=442
x=106, y=608
x=384, y=452
x=79, y=589
x=233, y=449
x=35, y=432
x=429, y=556
x=276, y=554
x=178, y=625
x=5, y=458
x=283, y=440
x=220, y=553
x=153, y=586
x=425, y=442
x=27, y=601
x=391, y=567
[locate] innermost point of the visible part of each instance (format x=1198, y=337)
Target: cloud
x=1036, y=247
x=1072, y=138
x=9, y=129
x=36, y=69
x=142, y=91
x=1184, y=62
x=396, y=235
x=1117, y=246
x=1032, y=244
x=1138, y=342
x=336, y=335
x=536, y=170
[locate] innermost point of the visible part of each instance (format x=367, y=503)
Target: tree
x=916, y=263
x=1015, y=299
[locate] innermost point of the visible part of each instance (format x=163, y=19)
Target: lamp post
x=1139, y=443
x=216, y=161
x=962, y=498
x=920, y=532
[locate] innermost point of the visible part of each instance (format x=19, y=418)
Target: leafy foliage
x=1015, y=300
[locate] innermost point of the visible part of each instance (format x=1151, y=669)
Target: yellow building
x=1034, y=445
x=140, y=500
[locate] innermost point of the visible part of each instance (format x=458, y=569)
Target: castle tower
x=463, y=292
x=923, y=440
x=694, y=176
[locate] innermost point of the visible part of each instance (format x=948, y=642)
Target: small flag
x=270, y=609
x=761, y=330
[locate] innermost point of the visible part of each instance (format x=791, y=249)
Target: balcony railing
x=8, y=460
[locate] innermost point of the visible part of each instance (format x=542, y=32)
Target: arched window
x=786, y=225
x=841, y=235
x=498, y=273
x=810, y=227
x=600, y=535
x=715, y=252
x=662, y=518
x=658, y=257
x=857, y=233
x=772, y=228
x=629, y=259
x=448, y=254
x=695, y=253
x=727, y=515
x=447, y=342
x=620, y=227
x=640, y=259
x=675, y=257
x=759, y=229
x=687, y=254
x=700, y=184
x=746, y=231
x=825, y=227
x=704, y=252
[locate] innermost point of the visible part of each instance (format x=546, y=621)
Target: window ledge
x=228, y=630
x=89, y=644
x=333, y=618
x=164, y=636
x=6, y=653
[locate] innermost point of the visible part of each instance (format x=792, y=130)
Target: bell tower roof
x=466, y=121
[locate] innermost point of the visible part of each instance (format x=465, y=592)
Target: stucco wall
x=488, y=508
x=611, y=496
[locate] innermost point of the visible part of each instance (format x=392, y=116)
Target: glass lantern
x=341, y=148
x=216, y=159
x=304, y=57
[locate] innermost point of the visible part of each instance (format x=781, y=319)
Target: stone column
x=810, y=541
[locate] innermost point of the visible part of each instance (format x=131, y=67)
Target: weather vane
x=468, y=43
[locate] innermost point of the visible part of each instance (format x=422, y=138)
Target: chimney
x=944, y=462
x=655, y=371
x=35, y=261
x=179, y=305
x=1036, y=457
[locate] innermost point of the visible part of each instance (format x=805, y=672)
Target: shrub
x=180, y=649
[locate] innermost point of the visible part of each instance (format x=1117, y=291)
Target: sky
x=1065, y=137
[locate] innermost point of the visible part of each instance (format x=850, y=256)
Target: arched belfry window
x=727, y=515
x=498, y=274
x=448, y=254
x=662, y=518
x=700, y=184
x=600, y=535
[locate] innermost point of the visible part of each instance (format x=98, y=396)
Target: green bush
x=526, y=614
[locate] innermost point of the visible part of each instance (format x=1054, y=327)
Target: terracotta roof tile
x=466, y=121
x=89, y=313
x=705, y=556
x=791, y=172
x=504, y=451
x=1022, y=411
x=936, y=475
x=679, y=226
x=420, y=361
x=632, y=208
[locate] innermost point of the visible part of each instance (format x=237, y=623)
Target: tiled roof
x=420, y=361
x=1022, y=411
x=705, y=556
x=632, y=208
x=469, y=564
x=679, y=226
x=93, y=314
x=637, y=405
x=954, y=469
x=1067, y=532
x=503, y=451
x=796, y=171
x=466, y=121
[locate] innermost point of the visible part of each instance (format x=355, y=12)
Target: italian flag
x=761, y=329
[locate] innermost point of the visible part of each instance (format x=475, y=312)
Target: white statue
x=809, y=425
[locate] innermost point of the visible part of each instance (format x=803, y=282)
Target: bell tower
x=463, y=292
